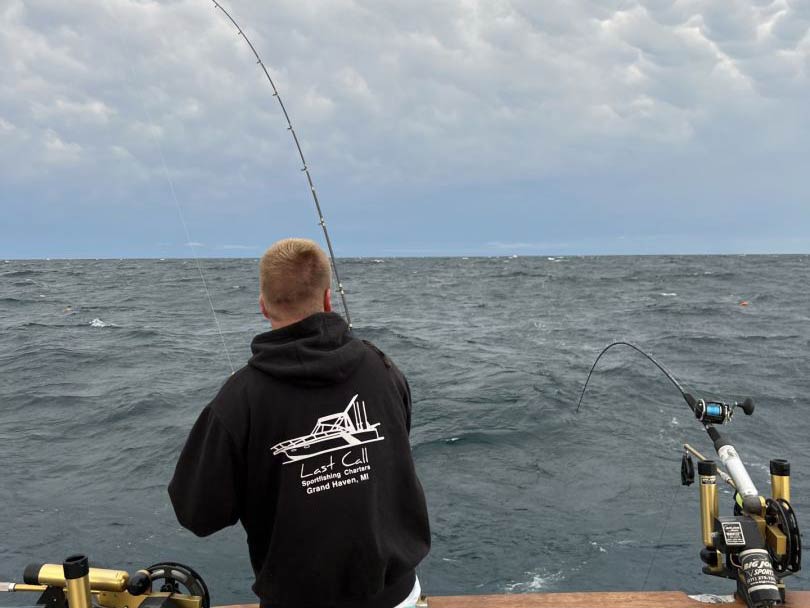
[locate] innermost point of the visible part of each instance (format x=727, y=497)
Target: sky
x=431, y=127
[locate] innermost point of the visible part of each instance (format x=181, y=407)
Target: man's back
x=308, y=447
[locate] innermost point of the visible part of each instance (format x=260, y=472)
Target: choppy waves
x=104, y=365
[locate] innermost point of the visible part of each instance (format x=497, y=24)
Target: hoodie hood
x=316, y=351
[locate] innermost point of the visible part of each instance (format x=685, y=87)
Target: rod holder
x=76, y=570
x=709, y=506
x=780, y=479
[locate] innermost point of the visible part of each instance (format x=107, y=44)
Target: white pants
x=410, y=601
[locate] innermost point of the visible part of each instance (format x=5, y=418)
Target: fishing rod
x=304, y=168
x=667, y=373
x=760, y=544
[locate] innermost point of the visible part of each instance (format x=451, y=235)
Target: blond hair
x=293, y=276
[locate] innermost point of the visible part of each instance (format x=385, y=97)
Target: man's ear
x=327, y=301
x=263, y=308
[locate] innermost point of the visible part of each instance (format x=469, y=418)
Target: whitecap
x=98, y=323
x=540, y=579
x=666, y=294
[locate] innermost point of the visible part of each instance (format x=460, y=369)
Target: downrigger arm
x=74, y=584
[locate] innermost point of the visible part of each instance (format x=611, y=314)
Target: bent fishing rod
x=708, y=413
x=304, y=167
x=761, y=543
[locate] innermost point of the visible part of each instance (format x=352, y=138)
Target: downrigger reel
x=760, y=544
x=74, y=584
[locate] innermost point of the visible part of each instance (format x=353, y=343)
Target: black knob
x=708, y=556
x=31, y=573
x=139, y=583
x=748, y=406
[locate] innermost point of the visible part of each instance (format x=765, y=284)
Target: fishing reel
x=73, y=584
x=717, y=412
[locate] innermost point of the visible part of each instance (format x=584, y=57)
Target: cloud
x=57, y=151
x=64, y=110
x=240, y=247
x=396, y=101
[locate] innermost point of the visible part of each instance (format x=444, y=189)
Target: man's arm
x=406, y=398
x=404, y=390
x=399, y=381
x=207, y=485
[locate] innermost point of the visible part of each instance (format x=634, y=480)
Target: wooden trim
x=650, y=599
x=641, y=599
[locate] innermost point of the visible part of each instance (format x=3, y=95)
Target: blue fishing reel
x=717, y=412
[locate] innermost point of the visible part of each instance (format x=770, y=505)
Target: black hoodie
x=308, y=447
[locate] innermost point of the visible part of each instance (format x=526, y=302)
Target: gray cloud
x=394, y=100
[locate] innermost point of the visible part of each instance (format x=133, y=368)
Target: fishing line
x=660, y=538
x=191, y=244
x=194, y=254
x=304, y=168
x=667, y=373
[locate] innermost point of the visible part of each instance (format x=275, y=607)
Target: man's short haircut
x=293, y=276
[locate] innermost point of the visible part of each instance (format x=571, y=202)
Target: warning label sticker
x=733, y=534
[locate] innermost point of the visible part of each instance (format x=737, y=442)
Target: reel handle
x=747, y=406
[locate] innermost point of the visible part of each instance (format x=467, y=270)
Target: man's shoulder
x=390, y=366
x=233, y=397
x=376, y=350
x=237, y=382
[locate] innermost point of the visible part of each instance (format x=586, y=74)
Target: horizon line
x=9, y=259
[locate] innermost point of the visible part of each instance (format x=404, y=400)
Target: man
x=307, y=446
